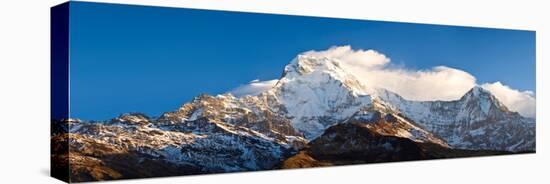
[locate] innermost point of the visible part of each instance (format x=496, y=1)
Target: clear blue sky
x=151, y=59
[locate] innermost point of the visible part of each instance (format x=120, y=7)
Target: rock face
x=91, y=159
x=316, y=115
x=358, y=143
x=378, y=118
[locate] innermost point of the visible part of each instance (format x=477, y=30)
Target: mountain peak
x=310, y=69
x=484, y=97
x=304, y=64
x=132, y=118
x=317, y=92
x=478, y=90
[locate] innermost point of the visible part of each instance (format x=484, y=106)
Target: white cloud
x=374, y=69
x=254, y=87
x=438, y=83
x=520, y=101
x=354, y=58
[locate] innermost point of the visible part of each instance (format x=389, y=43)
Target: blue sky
x=152, y=60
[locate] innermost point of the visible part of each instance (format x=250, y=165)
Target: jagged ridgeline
x=317, y=114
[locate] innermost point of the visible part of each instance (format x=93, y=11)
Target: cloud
x=354, y=58
x=437, y=83
x=254, y=87
x=520, y=101
x=375, y=70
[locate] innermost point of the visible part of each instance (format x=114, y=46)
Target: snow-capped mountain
x=216, y=134
x=317, y=93
x=315, y=105
x=478, y=120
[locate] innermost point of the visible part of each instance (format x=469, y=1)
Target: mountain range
x=317, y=114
